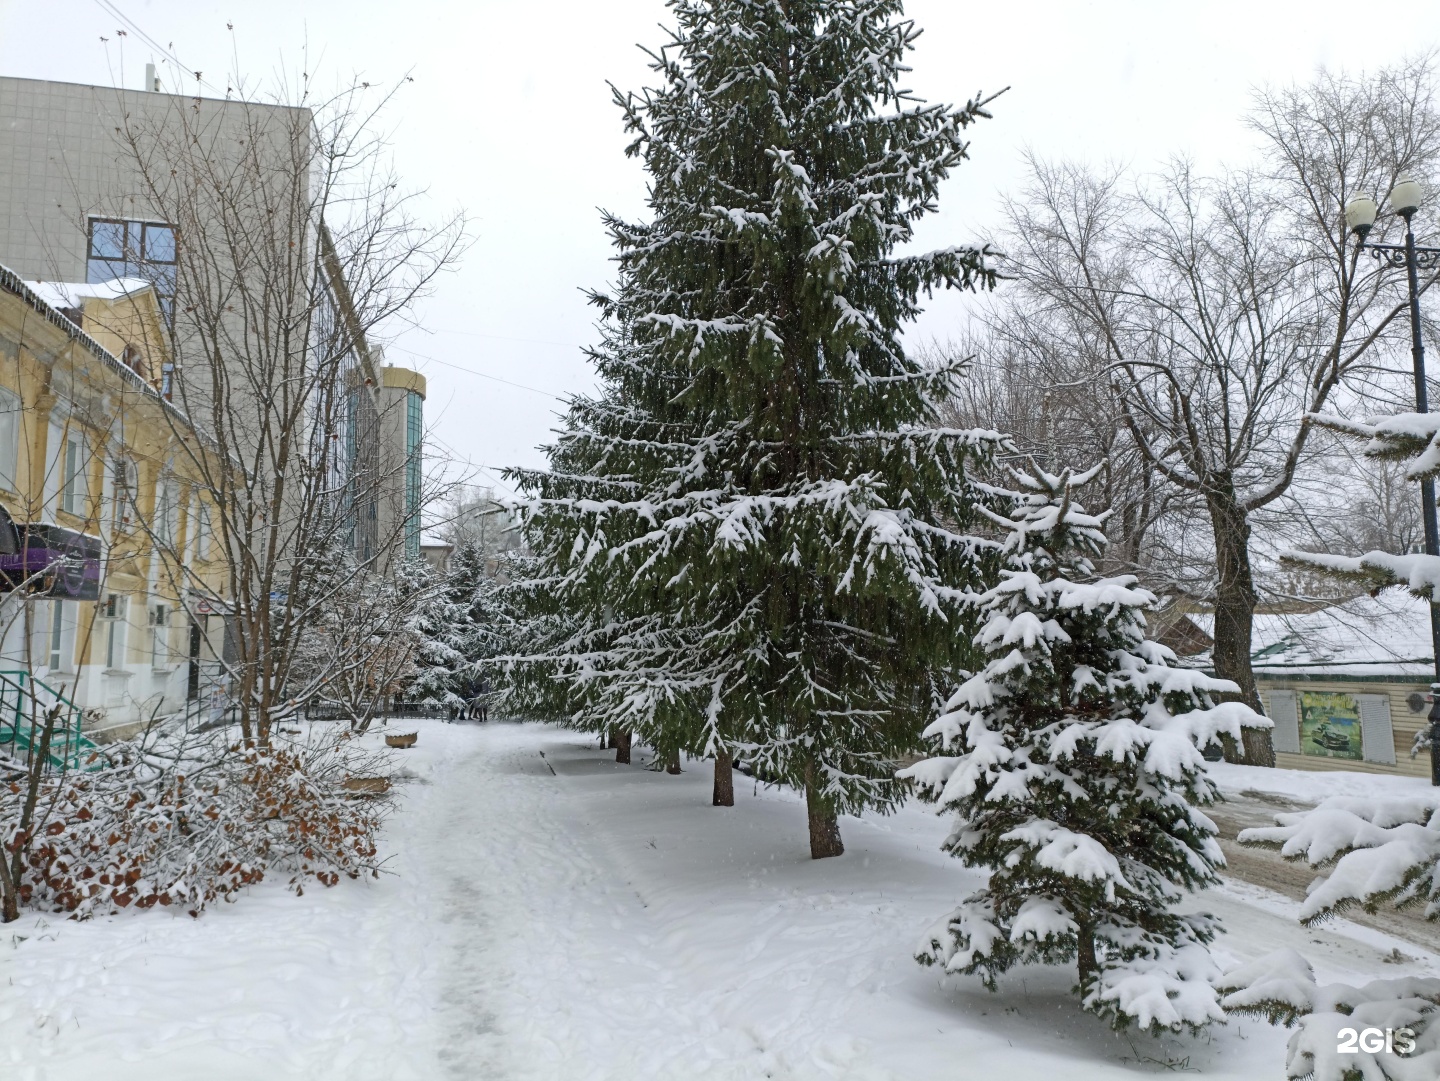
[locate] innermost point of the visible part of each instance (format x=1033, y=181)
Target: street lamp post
x=1360, y=214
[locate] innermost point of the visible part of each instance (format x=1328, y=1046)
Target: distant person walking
x=480, y=705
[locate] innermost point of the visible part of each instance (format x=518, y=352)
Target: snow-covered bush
x=184, y=821
x=1072, y=764
x=1330, y=1044
x=1378, y=852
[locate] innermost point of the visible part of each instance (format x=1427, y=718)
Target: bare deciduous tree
x=1214, y=312
x=297, y=248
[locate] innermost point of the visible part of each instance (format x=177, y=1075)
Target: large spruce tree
x=753, y=539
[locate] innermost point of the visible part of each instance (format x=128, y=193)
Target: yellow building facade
x=113, y=579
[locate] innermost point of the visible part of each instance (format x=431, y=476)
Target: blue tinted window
x=107, y=239
x=414, y=432
x=159, y=244
x=133, y=249
x=104, y=270
x=162, y=277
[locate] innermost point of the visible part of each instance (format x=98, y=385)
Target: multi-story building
x=74, y=208
x=105, y=533
x=78, y=205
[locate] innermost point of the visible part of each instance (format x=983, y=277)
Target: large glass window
x=414, y=430
x=134, y=249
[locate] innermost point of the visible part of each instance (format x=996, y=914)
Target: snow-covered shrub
x=1378, y=852
x=1072, y=764
x=1330, y=1043
x=181, y=822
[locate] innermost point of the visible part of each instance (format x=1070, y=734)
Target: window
x=202, y=532
x=160, y=635
x=414, y=430
x=115, y=625
x=74, y=492
x=167, y=513
x=122, y=493
x=9, y=440
x=54, y=462
x=134, y=249
x=57, y=653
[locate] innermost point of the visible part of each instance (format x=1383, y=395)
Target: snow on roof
x=1384, y=635
x=73, y=294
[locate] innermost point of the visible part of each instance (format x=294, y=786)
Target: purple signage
x=52, y=560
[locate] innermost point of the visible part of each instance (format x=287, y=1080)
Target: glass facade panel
x=158, y=244
x=107, y=240
x=414, y=431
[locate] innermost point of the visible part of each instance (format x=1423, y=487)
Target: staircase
x=25, y=703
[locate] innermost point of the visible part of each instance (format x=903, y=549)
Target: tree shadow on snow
x=1034, y=1008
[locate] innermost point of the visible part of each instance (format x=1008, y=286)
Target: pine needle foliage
x=755, y=538
x=1072, y=764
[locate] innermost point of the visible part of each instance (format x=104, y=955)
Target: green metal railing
x=25, y=703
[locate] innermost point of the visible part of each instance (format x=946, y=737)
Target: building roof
x=10, y=282
x=1383, y=635
x=73, y=294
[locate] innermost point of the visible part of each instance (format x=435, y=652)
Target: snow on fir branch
x=1281, y=988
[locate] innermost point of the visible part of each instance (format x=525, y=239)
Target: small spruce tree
x=1072, y=764
x=461, y=629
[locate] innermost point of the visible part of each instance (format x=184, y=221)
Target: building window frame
x=74, y=474
x=135, y=248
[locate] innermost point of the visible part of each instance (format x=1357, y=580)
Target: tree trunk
x=622, y=745
x=24, y=834
x=824, y=823
x=1088, y=964
x=672, y=763
x=724, y=794
x=1235, y=601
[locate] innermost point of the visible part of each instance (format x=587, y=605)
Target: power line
x=482, y=375
x=109, y=8
x=504, y=337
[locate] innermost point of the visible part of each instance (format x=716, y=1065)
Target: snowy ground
x=556, y=916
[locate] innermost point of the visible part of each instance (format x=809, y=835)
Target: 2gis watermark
x=1372, y=1041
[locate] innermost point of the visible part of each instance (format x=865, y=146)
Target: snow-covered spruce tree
x=756, y=529
x=1378, y=852
x=1072, y=764
x=462, y=628
x=438, y=626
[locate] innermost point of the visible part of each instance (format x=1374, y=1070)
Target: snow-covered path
x=558, y=916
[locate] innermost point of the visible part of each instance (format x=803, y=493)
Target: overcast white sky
x=509, y=117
